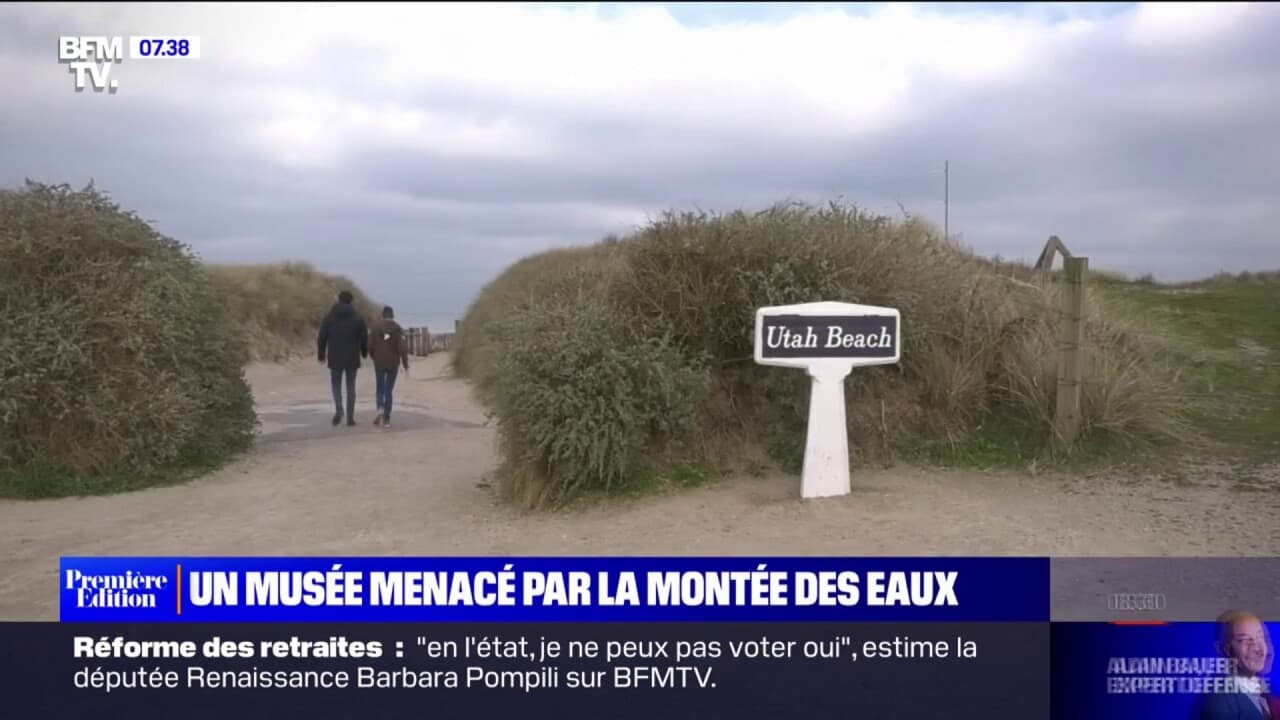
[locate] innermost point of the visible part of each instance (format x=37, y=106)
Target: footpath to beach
x=423, y=488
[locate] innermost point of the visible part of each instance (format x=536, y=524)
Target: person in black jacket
x=343, y=339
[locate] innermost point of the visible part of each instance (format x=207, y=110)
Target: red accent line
x=1140, y=622
x=179, y=588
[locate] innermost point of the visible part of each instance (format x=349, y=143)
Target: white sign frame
x=826, y=452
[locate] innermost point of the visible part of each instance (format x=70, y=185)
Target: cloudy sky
x=422, y=148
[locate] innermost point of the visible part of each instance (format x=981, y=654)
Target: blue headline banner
x=533, y=589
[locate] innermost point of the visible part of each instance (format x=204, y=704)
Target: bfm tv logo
x=90, y=59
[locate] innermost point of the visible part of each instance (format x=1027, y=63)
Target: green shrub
x=583, y=400
x=531, y=280
x=117, y=353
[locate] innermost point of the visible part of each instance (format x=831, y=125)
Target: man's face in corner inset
x=1249, y=645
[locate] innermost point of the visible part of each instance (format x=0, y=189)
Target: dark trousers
x=335, y=378
x=385, y=380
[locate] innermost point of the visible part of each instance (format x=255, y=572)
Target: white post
x=826, y=449
x=828, y=340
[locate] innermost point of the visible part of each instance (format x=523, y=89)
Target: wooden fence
x=422, y=341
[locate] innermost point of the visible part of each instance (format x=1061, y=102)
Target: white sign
x=828, y=339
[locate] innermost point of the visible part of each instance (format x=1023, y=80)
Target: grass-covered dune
x=608, y=365
x=278, y=306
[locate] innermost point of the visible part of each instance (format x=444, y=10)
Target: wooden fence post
x=1071, y=360
x=1052, y=249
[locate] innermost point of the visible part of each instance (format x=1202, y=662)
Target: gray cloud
x=1147, y=159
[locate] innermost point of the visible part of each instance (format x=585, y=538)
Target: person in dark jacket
x=343, y=341
x=390, y=352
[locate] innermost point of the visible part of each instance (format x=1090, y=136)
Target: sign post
x=828, y=339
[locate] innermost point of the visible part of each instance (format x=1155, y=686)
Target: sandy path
x=419, y=489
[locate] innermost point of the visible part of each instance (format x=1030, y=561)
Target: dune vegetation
x=122, y=355
x=611, y=365
x=120, y=364
x=625, y=364
x=279, y=306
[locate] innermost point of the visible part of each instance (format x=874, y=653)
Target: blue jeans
x=385, y=381
x=335, y=378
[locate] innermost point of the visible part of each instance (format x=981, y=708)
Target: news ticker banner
x=539, y=589
x=695, y=637
x=560, y=669
x=1071, y=671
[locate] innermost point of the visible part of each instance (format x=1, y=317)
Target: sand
x=423, y=488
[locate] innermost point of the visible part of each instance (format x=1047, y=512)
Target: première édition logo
x=117, y=590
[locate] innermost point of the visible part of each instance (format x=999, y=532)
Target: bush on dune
x=584, y=397
x=667, y=316
x=117, y=352
x=532, y=281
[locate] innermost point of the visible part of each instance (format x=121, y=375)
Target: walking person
x=390, y=352
x=343, y=341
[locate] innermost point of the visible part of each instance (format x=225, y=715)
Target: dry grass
x=280, y=305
